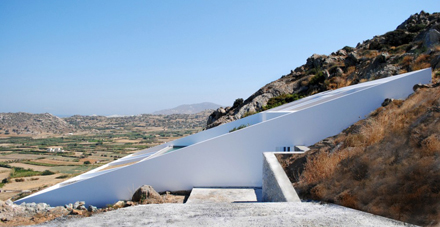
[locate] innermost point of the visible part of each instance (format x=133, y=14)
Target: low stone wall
x=276, y=184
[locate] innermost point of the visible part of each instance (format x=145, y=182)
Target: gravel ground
x=230, y=214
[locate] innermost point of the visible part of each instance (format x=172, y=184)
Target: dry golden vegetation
x=421, y=62
x=387, y=164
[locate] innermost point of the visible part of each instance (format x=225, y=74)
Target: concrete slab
x=224, y=195
x=230, y=214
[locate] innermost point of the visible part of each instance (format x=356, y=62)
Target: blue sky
x=131, y=57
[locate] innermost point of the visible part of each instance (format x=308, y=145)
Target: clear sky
x=131, y=57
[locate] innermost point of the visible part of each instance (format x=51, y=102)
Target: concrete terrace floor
x=230, y=214
x=224, y=195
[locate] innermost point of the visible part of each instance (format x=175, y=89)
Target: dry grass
x=371, y=53
x=421, y=62
x=29, y=184
x=323, y=164
x=431, y=145
x=28, y=166
x=407, y=60
x=350, y=70
x=387, y=164
x=337, y=82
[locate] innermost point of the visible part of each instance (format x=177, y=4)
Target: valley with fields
x=40, y=150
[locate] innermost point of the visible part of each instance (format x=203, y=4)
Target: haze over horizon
x=128, y=58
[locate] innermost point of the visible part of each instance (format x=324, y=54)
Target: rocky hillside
x=189, y=108
x=412, y=46
x=36, y=124
x=26, y=123
x=171, y=121
x=387, y=164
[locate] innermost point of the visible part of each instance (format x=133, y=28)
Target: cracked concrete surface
x=230, y=214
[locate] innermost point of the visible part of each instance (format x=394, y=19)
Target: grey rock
x=41, y=207
x=339, y=72
x=147, y=195
x=435, y=62
x=69, y=206
x=432, y=38
x=341, y=52
x=351, y=59
x=31, y=204
x=382, y=58
x=92, y=208
x=119, y=204
x=77, y=204
x=386, y=102
x=59, y=210
x=299, y=69
x=315, y=61
x=419, y=86
x=9, y=202
x=327, y=75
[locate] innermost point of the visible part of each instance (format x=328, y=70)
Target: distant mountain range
x=189, y=108
x=12, y=124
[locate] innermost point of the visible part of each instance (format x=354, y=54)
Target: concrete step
x=224, y=195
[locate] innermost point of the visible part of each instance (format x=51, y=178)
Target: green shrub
x=87, y=163
x=280, y=100
x=62, y=177
x=2, y=164
x=317, y=78
x=47, y=172
x=18, y=172
x=239, y=127
x=416, y=27
x=348, y=48
x=398, y=37
x=249, y=114
x=39, y=163
x=238, y=102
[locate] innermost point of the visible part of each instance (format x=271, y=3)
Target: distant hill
x=27, y=123
x=189, y=108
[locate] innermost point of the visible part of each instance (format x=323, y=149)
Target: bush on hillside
x=280, y=100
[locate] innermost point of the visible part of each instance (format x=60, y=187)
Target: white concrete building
x=219, y=158
x=55, y=149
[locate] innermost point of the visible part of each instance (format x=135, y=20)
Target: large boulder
x=432, y=38
x=315, y=61
x=351, y=59
x=147, y=195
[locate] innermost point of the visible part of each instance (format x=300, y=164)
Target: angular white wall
x=217, y=158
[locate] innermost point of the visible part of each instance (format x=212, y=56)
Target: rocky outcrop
x=28, y=213
x=412, y=46
x=147, y=195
